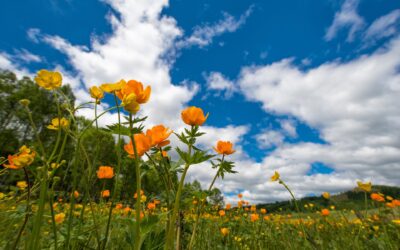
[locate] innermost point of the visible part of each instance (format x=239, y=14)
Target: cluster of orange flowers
x=22, y=159
x=390, y=202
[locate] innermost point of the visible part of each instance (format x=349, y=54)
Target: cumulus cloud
x=221, y=84
x=7, y=62
x=269, y=138
x=354, y=105
x=348, y=18
x=203, y=35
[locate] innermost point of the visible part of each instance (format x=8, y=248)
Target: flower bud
x=24, y=102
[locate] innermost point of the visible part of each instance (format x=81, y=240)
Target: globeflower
x=254, y=217
x=96, y=93
x=325, y=212
x=326, y=195
x=240, y=196
x=48, y=79
x=224, y=148
x=135, y=88
x=221, y=213
x=76, y=194
x=377, y=197
x=224, y=231
x=159, y=135
x=193, y=116
x=275, y=177
x=59, y=218
x=22, y=159
x=143, y=144
x=58, y=123
x=263, y=210
x=228, y=206
x=113, y=87
x=364, y=186
x=105, y=172
x=105, y=193
x=130, y=104
x=22, y=185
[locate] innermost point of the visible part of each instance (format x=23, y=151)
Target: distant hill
x=352, y=199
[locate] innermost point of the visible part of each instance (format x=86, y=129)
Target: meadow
x=67, y=183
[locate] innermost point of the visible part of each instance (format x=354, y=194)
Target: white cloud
x=7, y=63
x=384, y=26
x=354, y=105
x=203, y=35
x=347, y=17
x=269, y=138
x=289, y=127
x=220, y=83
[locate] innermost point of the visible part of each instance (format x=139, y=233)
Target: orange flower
x=158, y=135
x=59, y=218
x=164, y=154
x=221, y=213
x=105, y=172
x=224, y=231
x=143, y=144
x=135, y=88
x=263, y=210
x=151, y=206
x=396, y=202
x=22, y=159
x=390, y=205
x=224, y=148
x=240, y=204
x=325, y=212
x=253, y=208
x=228, y=206
x=105, y=193
x=141, y=193
x=377, y=197
x=193, y=116
x=76, y=194
x=254, y=217
x=240, y=196
x=118, y=206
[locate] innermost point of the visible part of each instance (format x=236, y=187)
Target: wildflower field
x=75, y=185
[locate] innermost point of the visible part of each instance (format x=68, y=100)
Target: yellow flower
x=224, y=231
x=326, y=195
x=112, y=87
x=364, y=186
x=22, y=185
x=2, y=195
x=396, y=222
x=96, y=93
x=24, y=102
x=22, y=159
x=59, y=218
x=275, y=177
x=136, y=88
x=57, y=123
x=130, y=104
x=48, y=79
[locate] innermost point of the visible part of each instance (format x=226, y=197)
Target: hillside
x=352, y=199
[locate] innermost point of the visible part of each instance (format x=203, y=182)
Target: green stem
x=114, y=195
x=27, y=212
x=138, y=188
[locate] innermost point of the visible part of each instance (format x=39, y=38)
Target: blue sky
x=303, y=87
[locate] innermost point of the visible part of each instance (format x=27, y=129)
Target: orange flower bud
x=105, y=193
x=105, y=172
x=193, y=116
x=325, y=212
x=224, y=148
